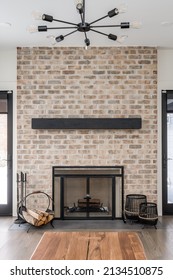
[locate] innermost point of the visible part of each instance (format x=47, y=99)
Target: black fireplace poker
x=21, y=184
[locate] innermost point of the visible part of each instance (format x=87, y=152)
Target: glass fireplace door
x=87, y=196
x=73, y=190
x=101, y=193
x=88, y=192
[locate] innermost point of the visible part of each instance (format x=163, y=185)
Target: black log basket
x=36, y=217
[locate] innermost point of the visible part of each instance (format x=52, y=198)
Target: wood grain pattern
x=89, y=246
x=18, y=244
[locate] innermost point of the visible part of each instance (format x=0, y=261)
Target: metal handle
x=8, y=160
x=165, y=159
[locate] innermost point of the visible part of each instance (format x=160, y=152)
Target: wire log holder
x=36, y=217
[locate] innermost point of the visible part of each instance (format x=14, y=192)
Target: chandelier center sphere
x=83, y=27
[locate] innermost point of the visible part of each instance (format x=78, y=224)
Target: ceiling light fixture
x=85, y=27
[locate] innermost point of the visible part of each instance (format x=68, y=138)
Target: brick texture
x=99, y=82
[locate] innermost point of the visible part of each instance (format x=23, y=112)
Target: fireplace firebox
x=88, y=192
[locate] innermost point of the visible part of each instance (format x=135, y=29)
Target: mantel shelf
x=86, y=123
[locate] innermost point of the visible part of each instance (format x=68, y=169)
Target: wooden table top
x=89, y=246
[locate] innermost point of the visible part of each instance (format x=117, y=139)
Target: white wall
x=165, y=82
x=8, y=81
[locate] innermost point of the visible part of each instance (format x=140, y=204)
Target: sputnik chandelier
x=84, y=27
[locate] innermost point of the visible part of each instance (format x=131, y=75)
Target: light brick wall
x=99, y=82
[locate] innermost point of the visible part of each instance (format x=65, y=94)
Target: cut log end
x=37, y=217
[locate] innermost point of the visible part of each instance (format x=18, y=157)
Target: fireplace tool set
x=21, y=194
x=26, y=214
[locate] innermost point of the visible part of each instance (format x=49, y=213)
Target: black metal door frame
x=6, y=209
x=167, y=207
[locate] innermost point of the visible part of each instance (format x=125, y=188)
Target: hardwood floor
x=90, y=245
x=17, y=244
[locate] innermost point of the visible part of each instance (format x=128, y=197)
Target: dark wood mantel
x=86, y=123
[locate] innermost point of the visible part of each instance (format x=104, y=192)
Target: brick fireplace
x=88, y=192
x=114, y=82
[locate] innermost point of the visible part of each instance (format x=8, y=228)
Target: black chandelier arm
x=63, y=27
x=98, y=19
x=43, y=28
x=85, y=35
x=66, y=22
x=86, y=38
x=87, y=41
x=99, y=32
x=70, y=33
x=60, y=38
x=122, y=25
x=110, y=36
x=83, y=20
x=81, y=15
x=100, y=26
x=110, y=14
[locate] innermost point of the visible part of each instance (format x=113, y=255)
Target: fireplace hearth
x=88, y=192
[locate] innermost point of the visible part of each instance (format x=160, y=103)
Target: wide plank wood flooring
x=17, y=244
x=89, y=246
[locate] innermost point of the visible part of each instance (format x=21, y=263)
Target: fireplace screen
x=83, y=193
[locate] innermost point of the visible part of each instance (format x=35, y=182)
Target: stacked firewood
x=37, y=217
x=95, y=203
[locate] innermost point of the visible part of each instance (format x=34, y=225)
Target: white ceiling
x=151, y=13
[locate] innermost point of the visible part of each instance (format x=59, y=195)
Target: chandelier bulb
x=32, y=29
x=122, y=8
x=135, y=25
x=78, y=2
x=79, y=6
x=37, y=15
x=52, y=39
x=121, y=39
